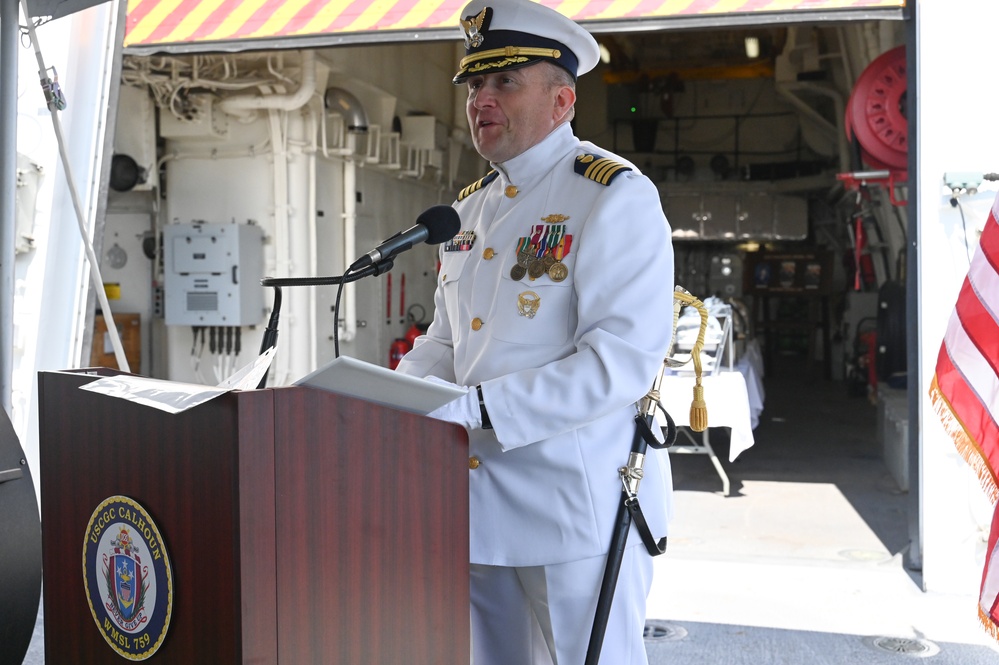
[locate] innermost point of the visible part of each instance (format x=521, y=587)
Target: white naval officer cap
x=509, y=34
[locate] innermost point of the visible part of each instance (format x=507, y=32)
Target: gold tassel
x=698, y=409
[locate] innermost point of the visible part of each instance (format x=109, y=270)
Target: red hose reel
x=875, y=116
x=875, y=112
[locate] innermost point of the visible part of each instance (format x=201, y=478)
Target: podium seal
x=127, y=578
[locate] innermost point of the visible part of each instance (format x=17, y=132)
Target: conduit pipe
x=298, y=220
x=313, y=242
x=282, y=237
x=242, y=105
x=349, y=216
x=349, y=246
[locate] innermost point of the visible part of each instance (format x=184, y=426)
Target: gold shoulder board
x=478, y=184
x=599, y=169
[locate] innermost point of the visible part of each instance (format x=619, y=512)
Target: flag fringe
x=988, y=624
x=965, y=443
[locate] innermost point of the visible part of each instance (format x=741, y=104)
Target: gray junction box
x=212, y=274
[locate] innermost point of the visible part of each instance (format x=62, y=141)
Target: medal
x=553, y=241
x=542, y=251
x=519, y=269
x=558, y=272
x=536, y=265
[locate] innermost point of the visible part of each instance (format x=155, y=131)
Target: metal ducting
x=340, y=101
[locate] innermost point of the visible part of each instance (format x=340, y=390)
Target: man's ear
x=564, y=100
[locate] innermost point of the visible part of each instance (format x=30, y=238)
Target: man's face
x=511, y=111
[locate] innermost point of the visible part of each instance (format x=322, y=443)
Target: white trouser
x=543, y=615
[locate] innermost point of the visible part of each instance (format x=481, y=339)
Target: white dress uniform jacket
x=561, y=386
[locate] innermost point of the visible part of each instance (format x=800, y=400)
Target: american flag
x=965, y=391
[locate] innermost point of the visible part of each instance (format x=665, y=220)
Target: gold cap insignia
x=473, y=27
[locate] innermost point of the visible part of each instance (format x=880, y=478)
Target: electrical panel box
x=212, y=274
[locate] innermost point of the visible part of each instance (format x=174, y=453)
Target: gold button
x=511, y=191
x=488, y=253
x=476, y=323
x=473, y=462
x=444, y=277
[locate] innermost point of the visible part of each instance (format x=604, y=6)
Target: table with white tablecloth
x=728, y=403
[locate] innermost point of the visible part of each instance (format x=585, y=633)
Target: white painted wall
x=957, y=132
x=261, y=172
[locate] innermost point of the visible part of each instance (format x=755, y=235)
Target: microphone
x=434, y=225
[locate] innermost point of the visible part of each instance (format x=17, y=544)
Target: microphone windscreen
x=442, y=223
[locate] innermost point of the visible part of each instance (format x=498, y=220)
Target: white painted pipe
x=298, y=313
x=243, y=104
x=282, y=254
x=349, y=247
x=310, y=218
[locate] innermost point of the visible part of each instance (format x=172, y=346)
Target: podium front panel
x=372, y=530
x=301, y=526
x=205, y=476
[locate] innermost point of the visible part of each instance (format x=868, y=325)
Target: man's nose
x=484, y=97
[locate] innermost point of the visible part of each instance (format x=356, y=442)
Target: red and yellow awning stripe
x=152, y=22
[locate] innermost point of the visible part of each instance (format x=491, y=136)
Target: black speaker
x=20, y=548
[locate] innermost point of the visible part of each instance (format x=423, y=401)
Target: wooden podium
x=301, y=526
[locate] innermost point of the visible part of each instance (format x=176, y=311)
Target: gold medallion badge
x=528, y=303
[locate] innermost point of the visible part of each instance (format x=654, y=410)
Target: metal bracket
x=890, y=179
x=631, y=475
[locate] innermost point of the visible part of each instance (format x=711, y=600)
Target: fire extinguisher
x=415, y=314
x=397, y=350
x=415, y=331
x=402, y=345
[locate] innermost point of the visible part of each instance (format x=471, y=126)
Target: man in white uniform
x=554, y=308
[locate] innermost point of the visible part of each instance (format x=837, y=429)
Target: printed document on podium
x=356, y=378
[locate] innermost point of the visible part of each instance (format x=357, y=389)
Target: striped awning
x=190, y=22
